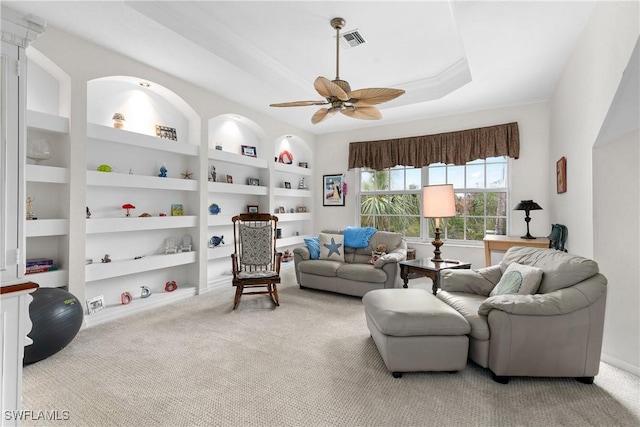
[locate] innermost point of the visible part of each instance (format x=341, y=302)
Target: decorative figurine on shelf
x=219, y=147
x=162, y=214
x=170, y=286
x=145, y=292
x=212, y=173
x=88, y=213
x=118, y=120
x=302, y=185
x=128, y=207
x=215, y=241
x=29, y=203
x=186, y=174
x=106, y=259
x=125, y=298
x=144, y=215
x=163, y=172
x=130, y=171
x=287, y=256
x=285, y=157
x=38, y=149
x=104, y=168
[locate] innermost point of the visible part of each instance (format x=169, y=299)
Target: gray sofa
x=556, y=332
x=355, y=276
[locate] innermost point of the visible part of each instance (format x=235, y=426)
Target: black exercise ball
x=56, y=317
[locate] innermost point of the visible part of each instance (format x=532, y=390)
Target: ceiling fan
x=358, y=104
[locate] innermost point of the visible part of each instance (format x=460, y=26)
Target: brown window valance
x=455, y=148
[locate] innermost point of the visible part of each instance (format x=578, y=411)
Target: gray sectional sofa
x=355, y=276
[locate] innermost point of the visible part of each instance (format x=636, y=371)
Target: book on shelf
x=40, y=269
x=31, y=262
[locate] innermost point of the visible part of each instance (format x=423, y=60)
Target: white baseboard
x=219, y=283
x=620, y=364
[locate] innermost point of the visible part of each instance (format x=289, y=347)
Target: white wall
x=529, y=175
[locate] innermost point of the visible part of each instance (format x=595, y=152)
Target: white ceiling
x=449, y=57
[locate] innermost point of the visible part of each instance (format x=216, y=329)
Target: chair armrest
x=303, y=252
x=478, y=282
x=555, y=303
x=395, y=256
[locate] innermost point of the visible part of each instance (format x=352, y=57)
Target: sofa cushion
x=560, y=269
x=320, y=267
x=313, y=244
x=361, y=273
x=468, y=305
x=518, y=279
x=332, y=247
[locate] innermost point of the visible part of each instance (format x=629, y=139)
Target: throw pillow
x=332, y=246
x=518, y=279
x=313, y=244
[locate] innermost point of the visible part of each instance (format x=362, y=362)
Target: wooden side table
x=427, y=268
x=502, y=243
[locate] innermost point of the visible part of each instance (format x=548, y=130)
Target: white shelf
x=139, y=304
x=298, y=216
x=223, y=187
x=289, y=241
x=46, y=227
x=120, y=136
x=114, y=225
x=116, y=268
x=110, y=179
x=283, y=167
x=221, y=251
x=47, y=174
x=50, y=279
x=220, y=219
x=47, y=122
x=227, y=157
x=290, y=192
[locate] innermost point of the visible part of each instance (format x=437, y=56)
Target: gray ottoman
x=415, y=331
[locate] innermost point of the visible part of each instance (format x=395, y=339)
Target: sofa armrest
x=555, y=303
x=478, y=282
x=302, y=252
x=394, y=256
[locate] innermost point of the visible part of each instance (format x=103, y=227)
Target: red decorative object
x=125, y=298
x=170, y=286
x=128, y=207
x=285, y=157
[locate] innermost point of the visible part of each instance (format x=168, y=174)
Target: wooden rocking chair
x=255, y=261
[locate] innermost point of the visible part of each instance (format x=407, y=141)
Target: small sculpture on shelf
x=170, y=246
x=212, y=173
x=104, y=168
x=88, y=213
x=128, y=207
x=215, y=241
x=106, y=259
x=170, y=286
x=287, y=256
x=163, y=172
x=125, y=298
x=29, y=203
x=144, y=215
x=302, y=185
x=186, y=174
x=118, y=120
x=145, y=292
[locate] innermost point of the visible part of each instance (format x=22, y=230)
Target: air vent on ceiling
x=351, y=38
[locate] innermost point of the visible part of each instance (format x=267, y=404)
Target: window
x=391, y=199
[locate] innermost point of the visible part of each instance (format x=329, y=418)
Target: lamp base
x=528, y=236
x=437, y=243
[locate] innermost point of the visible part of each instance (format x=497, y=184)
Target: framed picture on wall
x=252, y=208
x=333, y=194
x=165, y=132
x=249, y=150
x=561, y=175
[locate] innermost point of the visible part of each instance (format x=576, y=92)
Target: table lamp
x=526, y=206
x=438, y=201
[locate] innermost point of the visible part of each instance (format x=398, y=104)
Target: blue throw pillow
x=313, y=244
x=358, y=237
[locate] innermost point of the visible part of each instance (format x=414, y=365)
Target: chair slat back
x=254, y=238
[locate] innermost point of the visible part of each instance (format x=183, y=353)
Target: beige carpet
x=310, y=362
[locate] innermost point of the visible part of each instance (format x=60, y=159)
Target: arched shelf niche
x=232, y=131
x=144, y=104
x=48, y=87
x=293, y=148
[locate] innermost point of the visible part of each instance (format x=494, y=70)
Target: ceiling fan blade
x=328, y=89
x=323, y=113
x=298, y=104
x=374, y=96
x=365, y=113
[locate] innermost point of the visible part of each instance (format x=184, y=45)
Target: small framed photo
x=281, y=209
x=249, y=150
x=252, y=208
x=333, y=194
x=229, y=179
x=95, y=304
x=303, y=164
x=165, y=132
x=302, y=209
x=278, y=233
x=253, y=181
x=561, y=175
x=287, y=184
x=176, y=209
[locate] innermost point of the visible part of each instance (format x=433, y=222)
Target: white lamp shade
x=438, y=201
